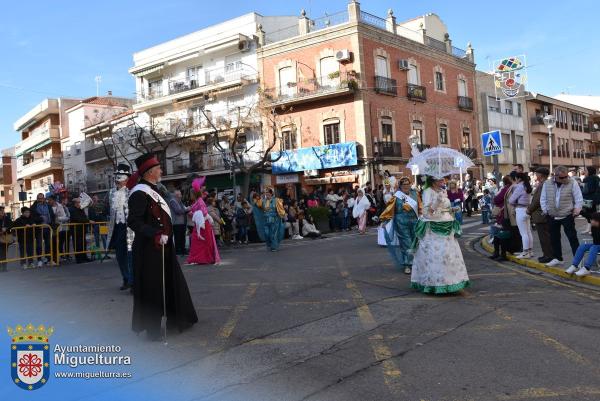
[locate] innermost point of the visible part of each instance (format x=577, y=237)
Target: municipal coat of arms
x=30, y=355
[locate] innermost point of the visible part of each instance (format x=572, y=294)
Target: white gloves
x=163, y=239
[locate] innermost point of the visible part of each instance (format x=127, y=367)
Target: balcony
x=179, y=89
x=39, y=166
x=536, y=124
x=416, y=92
x=465, y=103
x=96, y=186
x=37, y=139
x=385, y=149
x=386, y=86
x=471, y=153
x=199, y=162
x=307, y=90
x=99, y=154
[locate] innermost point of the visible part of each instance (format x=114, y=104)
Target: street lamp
x=550, y=122
x=22, y=194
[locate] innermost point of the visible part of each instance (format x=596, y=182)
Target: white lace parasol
x=439, y=162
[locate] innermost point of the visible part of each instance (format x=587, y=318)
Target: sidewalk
x=580, y=224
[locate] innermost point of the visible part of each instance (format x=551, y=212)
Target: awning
x=147, y=70
x=224, y=181
x=36, y=147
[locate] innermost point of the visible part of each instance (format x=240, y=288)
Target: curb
x=593, y=280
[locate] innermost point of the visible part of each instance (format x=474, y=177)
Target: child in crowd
x=592, y=250
x=485, y=204
x=24, y=230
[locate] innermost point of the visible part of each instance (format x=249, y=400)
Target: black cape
x=148, y=220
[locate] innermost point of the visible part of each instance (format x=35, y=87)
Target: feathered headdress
x=197, y=184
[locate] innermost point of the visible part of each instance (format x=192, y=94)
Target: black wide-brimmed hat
x=123, y=169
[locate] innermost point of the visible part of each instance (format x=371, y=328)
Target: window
x=332, y=133
x=413, y=74
x=155, y=88
x=519, y=142
x=195, y=76
x=493, y=104
x=387, y=129
x=466, y=138
x=77, y=148
x=506, y=140
x=462, y=87
x=439, y=81
x=232, y=65
x=508, y=107
x=443, y=134
x=70, y=178
x=196, y=116
x=519, y=113
x=289, y=139
x=417, y=130
x=329, y=66
x=2, y=193
x=381, y=67
x=286, y=81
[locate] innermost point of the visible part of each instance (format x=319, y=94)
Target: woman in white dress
x=438, y=265
x=359, y=211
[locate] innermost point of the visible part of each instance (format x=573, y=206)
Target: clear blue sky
x=57, y=48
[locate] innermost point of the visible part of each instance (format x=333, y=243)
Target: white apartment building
x=87, y=112
x=201, y=81
x=507, y=116
x=39, y=153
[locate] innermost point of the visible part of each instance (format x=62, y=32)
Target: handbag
x=6, y=238
x=496, y=211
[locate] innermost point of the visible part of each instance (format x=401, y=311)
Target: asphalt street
x=333, y=320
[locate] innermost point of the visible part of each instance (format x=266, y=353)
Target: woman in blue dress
x=268, y=217
x=403, y=211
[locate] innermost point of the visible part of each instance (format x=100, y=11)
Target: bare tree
x=229, y=137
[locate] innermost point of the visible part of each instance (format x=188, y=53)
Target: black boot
x=124, y=286
x=496, y=254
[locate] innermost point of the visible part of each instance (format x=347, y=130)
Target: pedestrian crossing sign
x=491, y=143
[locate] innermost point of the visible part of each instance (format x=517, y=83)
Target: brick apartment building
x=352, y=77
x=574, y=138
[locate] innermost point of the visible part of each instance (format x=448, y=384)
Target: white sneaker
x=40, y=263
x=554, y=262
x=524, y=255
x=571, y=269
x=582, y=272
x=491, y=240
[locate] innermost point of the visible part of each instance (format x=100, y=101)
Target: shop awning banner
x=315, y=158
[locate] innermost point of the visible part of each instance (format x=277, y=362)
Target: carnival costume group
x=422, y=238
x=419, y=231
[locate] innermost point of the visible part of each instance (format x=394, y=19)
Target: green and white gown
x=438, y=264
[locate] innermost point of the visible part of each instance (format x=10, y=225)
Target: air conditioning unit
x=403, y=64
x=244, y=45
x=343, y=55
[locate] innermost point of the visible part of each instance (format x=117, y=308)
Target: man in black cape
x=150, y=219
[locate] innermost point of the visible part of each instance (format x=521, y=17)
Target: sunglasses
x=564, y=177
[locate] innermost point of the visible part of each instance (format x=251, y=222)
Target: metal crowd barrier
x=37, y=243
x=85, y=238
x=28, y=245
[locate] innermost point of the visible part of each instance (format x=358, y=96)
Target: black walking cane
x=163, y=319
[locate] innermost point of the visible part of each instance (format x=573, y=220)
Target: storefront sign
x=315, y=158
x=286, y=179
x=331, y=180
